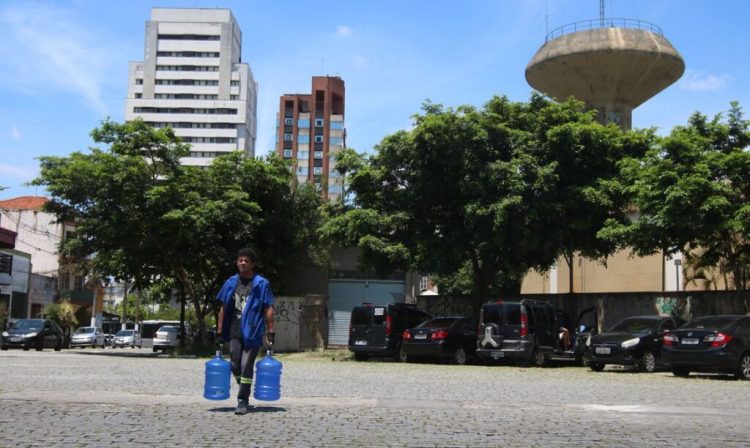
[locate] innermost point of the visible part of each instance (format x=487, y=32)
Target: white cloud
x=15, y=133
x=47, y=49
x=24, y=173
x=343, y=31
x=695, y=80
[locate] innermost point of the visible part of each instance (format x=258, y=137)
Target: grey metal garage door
x=343, y=295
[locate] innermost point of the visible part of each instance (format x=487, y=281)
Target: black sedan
x=634, y=341
x=451, y=338
x=710, y=344
x=33, y=333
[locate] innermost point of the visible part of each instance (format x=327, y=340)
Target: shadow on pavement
x=253, y=409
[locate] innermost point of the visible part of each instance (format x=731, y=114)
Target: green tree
x=64, y=314
x=482, y=191
x=145, y=217
x=690, y=192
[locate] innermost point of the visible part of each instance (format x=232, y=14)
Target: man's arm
x=220, y=321
x=269, y=319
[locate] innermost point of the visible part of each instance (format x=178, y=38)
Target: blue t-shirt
x=252, y=320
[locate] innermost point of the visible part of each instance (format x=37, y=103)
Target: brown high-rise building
x=310, y=131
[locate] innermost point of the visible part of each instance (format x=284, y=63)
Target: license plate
x=603, y=350
x=690, y=341
x=420, y=336
x=496, y=355
x=360, y=342
x=15, y=339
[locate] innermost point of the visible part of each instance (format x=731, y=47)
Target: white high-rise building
x=193, y=80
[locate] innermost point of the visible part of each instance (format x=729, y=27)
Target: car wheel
x=26, y=348
x=743, y=370
x=648, y=362
x=403, y=357
x=59, y=345
x=39, y=346
x=3, y=348
x=459, y=356
x=596, y=366
x=681, y=372
x=538, y=359
x=397, y=353
x=360, y=356
x=154, y=348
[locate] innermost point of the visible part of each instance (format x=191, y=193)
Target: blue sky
x=64, y=64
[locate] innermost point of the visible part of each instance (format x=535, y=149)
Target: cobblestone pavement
x=129, y=398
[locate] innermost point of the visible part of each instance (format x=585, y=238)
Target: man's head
x=246, y=262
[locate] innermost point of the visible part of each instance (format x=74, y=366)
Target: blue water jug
x=267, y=378
x=218, y=375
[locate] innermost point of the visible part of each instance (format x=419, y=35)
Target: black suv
x=533, y=331
x=376, y=330
x=33, y=333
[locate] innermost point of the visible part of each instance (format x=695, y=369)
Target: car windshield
x=125, y=333
x=28, y=324
x=636, y=325
x=495, y=313
x=168, y=330
x=84, y=330
x=361, y=315
x=438, y=322
x=713, y=322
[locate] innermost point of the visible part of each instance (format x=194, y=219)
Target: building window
x=303, y=155
x=338, y=141
x=6, y=264
x=318, y=154
x=318, y=139
x=138, y=81
x=424, y=283
x=288, y=153
x=303, y=171
x=289, y=121
x=317, y=170
x=334, y=189
x=287, y=137
x=303, y=123
x=139, y=95
x=303, y=139
x=337, y=125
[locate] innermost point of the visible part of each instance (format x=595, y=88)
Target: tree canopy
x=691, y=194
x=494, y=192
x=142, y=216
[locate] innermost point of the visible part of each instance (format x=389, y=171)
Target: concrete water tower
x=613, y=65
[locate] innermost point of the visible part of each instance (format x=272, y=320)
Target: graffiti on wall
x=673, y=306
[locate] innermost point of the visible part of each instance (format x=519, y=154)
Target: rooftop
x=24, y=203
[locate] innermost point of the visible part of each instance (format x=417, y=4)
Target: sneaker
x=242, y=407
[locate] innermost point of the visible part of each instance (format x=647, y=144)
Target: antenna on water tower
x=601, y=13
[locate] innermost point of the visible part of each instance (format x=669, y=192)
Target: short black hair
x=247, y=252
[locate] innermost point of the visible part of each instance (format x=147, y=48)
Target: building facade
x=310, y=132
x=193, y=80
x=36, y=257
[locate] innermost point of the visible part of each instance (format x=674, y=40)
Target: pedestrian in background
x=246, y=312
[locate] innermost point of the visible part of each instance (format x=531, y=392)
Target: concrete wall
x=612, y=307
x=301, y=323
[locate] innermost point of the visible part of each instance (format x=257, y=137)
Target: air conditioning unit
x=289, y=121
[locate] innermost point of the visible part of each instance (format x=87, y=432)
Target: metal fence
x=592, y=24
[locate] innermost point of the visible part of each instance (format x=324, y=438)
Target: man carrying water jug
x=246, y=312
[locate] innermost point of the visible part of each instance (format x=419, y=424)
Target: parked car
x=633, y=341
x=710, y=344
x=166, y=337
x=376, y=330
x=451, y=338
x=87, y=337
x=533, y=331
x=127, y=338
x=36, y=333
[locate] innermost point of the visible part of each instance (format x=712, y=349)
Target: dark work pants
x=243, y=363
